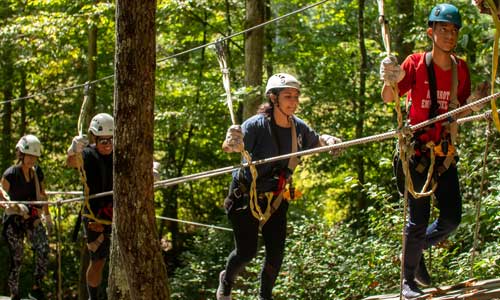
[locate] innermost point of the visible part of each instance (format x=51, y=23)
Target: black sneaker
x=36, y=295
x=223, y=288
x=422, y=277
x=15, y=297
x=410, y=290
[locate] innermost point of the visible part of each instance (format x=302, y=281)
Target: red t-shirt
x=416, y=85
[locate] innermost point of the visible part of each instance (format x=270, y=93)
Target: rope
x=53, y=193
x=194, y=223
x=494, y=68
x=174, y=55
x=478, y=202
x=403, y=139
x=58, y=251
x=80, y=165
x=346, y=144
x=220, y=48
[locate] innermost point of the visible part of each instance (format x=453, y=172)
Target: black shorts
x=102, y=250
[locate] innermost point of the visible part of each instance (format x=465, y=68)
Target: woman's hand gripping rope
x=234, y=135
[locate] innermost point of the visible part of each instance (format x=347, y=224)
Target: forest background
x=345, y=231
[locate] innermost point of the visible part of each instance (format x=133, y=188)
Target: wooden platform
x=471, y=289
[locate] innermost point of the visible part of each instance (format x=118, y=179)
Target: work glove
x=234, y=139
x=156, y=170
x=329, y=140
x=390, y=70
x=48, y=223
x=18, y=209
x=481, y=91
x=77, y=144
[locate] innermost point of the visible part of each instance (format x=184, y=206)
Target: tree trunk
x=269, y=37
x=91, y=69
x=361, y=105
x=22, y=104
x=91, y=100
x=403, y=26
x=136, y=250
x=7, y=89
x=254, y=55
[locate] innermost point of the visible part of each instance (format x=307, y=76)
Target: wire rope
x=174, y=55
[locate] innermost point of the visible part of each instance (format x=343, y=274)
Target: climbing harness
x=496, y=21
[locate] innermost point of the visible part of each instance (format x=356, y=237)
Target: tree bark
x=7, y=89
x=361, y=105
x=254, y=55
x=402, y=28
x=91, y=69
x=88, y=114
x=136, y=249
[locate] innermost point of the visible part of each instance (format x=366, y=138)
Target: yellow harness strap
x=83, y=179
x=496, y=21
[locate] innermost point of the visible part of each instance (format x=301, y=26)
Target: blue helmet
x=446, y=13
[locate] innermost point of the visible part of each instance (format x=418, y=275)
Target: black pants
x=246, y=230
x=419, y=234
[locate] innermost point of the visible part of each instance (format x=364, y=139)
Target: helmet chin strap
x=277, y=104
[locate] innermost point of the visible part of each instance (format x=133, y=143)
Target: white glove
x=390, y=70
x=77, y=144
x=48, y=223
x=156, y=170
x=329, y=140
x=234, y=139
x=18, y=209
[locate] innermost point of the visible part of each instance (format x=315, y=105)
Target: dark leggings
x=419, y=234
x=246, y=230
x=15, y=231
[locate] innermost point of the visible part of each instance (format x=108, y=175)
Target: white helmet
x=102, y=125
x=29, y=144
x=282, y=80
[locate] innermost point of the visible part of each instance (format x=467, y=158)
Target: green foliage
x=329, y=254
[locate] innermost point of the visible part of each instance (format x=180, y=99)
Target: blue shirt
x=264, y=139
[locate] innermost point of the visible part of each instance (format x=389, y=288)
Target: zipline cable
x=174, y=55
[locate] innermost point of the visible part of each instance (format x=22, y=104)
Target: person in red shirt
x=434, y=83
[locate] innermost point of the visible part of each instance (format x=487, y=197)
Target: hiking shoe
x=223, y=288
x=410, y=289
x=36, y=295
x=422, y=277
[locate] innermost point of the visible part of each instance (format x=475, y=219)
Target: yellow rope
x=83, y=179
x=254, y=205
x=496, y=21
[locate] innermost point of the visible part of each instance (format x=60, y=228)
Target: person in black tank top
x=24, y=182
